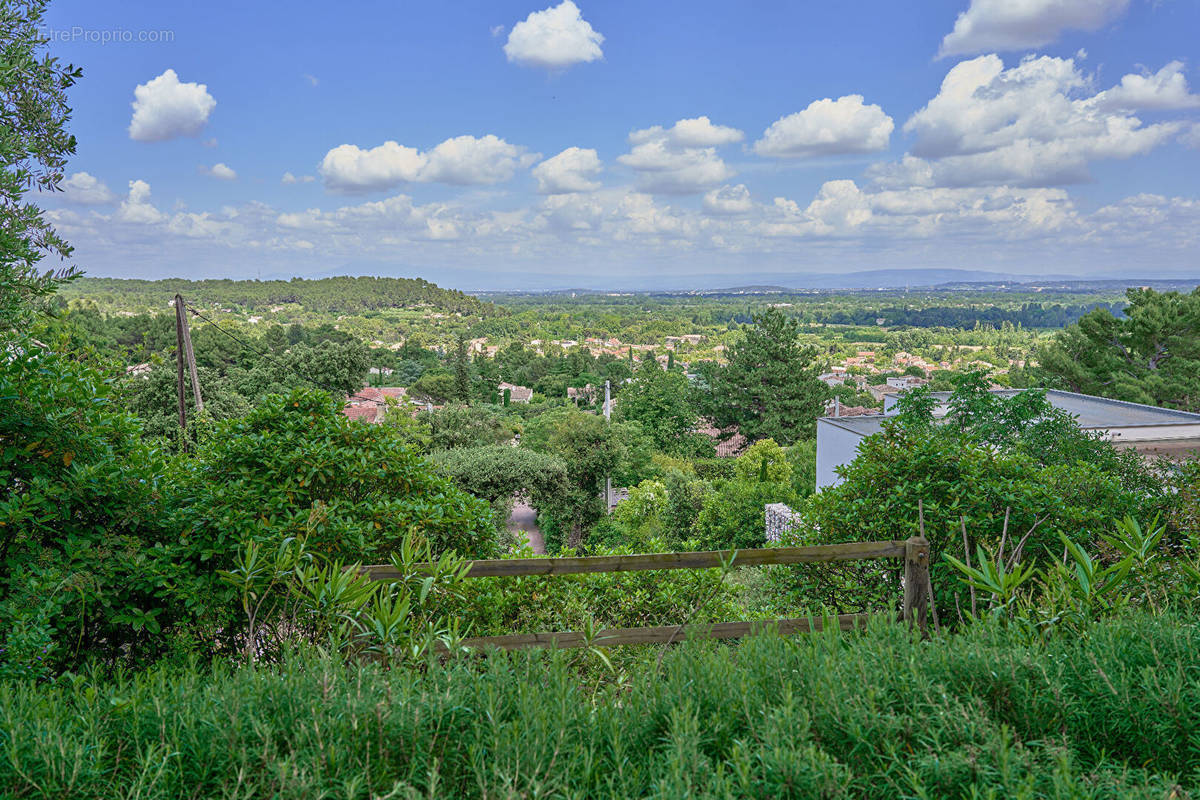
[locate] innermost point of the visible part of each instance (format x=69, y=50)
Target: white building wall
x=835, y=446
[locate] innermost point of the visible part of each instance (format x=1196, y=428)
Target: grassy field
x=978, y=714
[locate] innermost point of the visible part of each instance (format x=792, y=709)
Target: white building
x=1150, y=430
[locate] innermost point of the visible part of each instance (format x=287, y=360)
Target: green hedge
x=876, y=715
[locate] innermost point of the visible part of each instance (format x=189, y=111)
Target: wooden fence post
x=916, y=583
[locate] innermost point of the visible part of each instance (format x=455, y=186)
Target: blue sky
x=502, y=144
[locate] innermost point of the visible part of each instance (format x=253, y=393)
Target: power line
x=263, y=354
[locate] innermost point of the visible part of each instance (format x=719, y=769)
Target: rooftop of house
x=362, y=413
x=376, y=394
x=1093, y=413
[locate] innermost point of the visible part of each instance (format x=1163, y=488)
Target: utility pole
x=191, y=356
x=183, y=352
x=607, y=418
x=179, y=357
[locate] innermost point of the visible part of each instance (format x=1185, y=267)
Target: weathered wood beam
x=815, y=554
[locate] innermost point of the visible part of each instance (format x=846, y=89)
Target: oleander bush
x=882, y=714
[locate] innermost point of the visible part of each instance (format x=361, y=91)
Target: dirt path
x=523, y=521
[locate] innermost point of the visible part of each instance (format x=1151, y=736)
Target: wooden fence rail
x=915, y=609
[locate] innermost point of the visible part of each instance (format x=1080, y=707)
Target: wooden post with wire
x=916, y=583
x=191, y=357
x=179, y=364
x=183, y=353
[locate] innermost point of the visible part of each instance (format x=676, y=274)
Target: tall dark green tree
x=1151, y=354
x=769, y=389
x=462, y=371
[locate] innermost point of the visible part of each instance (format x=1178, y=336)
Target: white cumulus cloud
x=1165, y=90
x=1029, y=125
x=681, y=159
x=136, y=208
x=288, y=179
x=349, y=168
x=828, y=127
x=1000, y=25
x=220, y=171
x=572, y=170
x=729, y=200
x=164, y=108
x=85, y=189
x=697, y=132
x=554, y=38
x=467, y=160
x=462, y=160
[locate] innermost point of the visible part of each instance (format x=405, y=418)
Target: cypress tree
x=462, y=375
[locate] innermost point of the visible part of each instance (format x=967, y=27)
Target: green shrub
x=530, y=604
x=1012, y=470
x=296, y=467
x=92, y=564
x=714, y=468
x=733, y=513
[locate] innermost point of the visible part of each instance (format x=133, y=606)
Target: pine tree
x=770, y=388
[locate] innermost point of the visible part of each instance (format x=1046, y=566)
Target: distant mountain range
x=478, y=281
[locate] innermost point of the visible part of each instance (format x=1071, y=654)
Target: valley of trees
x=183, y=612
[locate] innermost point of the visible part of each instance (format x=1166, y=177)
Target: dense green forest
x=327, y=295
x=183, y=609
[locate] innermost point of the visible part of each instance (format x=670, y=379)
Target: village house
x=729, y=441
x=370, y=403
x=516, y=394
x=881, y=390
x=582, y=393
x=904, y=382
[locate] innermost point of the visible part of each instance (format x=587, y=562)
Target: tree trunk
x=575, y=538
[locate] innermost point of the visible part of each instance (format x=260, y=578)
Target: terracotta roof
x=365, y=413
x=728, y=447
x=376, y=394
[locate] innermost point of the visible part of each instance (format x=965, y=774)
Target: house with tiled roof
x=369, y=404
x=729, y=441
x=516, y=394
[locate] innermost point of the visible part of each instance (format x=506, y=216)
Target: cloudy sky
x=607, y=143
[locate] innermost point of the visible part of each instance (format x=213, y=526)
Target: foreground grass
x=1116, y=714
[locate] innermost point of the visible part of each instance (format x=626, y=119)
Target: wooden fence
x=915, y=608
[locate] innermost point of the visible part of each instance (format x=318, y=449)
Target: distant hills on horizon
x=886, y=279
x=472, y=282
x=476, y=281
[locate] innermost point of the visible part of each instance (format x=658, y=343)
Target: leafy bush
x=733, y=514
x=714, y=468
x=530, y=604
x=92, y=562
x=497, y=473
x=291, y=597
x=296, y=467
x=458, y=425
x=996, y=469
